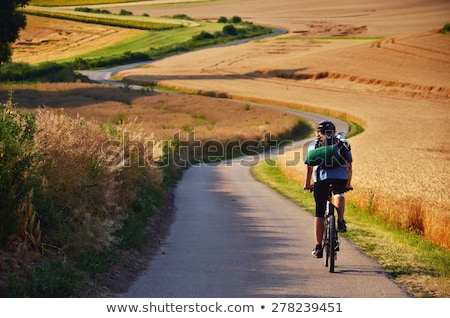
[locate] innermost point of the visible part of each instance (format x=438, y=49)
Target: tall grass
x=101, y=181
x=80, y=204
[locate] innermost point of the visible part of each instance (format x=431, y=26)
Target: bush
x=18, y=163
x=45, y=72
x=203, y=36
x=89, y=10
x=446, y=29
x=182, y=17
x=222, y=19
x=77, y=206
x=125, y=12
x=230, y=29
x=235, y=19
x=88, y=201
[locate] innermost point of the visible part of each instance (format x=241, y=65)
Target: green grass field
x=155, y=40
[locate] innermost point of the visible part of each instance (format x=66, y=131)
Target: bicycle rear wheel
x=326, y=242
x=331, y=242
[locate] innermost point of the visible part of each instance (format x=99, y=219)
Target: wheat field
x=397, y=89
x=387, y=73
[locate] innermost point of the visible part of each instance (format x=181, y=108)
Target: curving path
x=235, y=237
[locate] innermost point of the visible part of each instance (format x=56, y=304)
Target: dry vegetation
x=93, y=114
x=162, y=115
x=77, y=201
x=85, y=192
x=95, y=197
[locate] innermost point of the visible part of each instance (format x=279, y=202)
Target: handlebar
x=312, y=189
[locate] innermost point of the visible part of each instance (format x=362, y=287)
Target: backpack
x=331, y=156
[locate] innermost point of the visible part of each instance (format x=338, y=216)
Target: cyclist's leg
x=320, y=197
x=338, y=187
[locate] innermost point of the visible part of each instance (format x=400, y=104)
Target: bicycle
x=330, y=241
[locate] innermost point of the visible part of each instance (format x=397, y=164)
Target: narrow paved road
x=236, y=237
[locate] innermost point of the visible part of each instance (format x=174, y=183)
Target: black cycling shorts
x=321, y=191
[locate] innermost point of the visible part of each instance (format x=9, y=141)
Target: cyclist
x=338, y=176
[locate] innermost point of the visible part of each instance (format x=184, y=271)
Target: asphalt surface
x=236, y=237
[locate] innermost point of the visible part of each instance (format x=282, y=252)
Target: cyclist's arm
x=308, y=175
x=350, y=173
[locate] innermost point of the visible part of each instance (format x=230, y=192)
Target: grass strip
x=57, y=3
x=422, y=267
x=110, y=20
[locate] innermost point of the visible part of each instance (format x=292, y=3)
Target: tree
x=11, y=22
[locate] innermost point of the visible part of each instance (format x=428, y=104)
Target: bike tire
x=331, y=242
x=326, y=243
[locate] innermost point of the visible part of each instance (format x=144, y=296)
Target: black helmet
x=326, y=126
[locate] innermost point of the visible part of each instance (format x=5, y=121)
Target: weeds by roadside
x=65, y=206
x=85, y=213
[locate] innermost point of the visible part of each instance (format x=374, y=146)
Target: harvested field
x=54, y=39
x=397, y=87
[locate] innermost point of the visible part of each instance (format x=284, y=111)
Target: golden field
x=397, y=87
x=383, y=65
x=386, y=72
x=399, y=160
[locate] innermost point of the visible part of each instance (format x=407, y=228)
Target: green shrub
x=18, y=161
x=203, y=36
x=89, y=10
x=125, y=12
x=446, y=29
x=235, y=19
x=44, y=72
x=222, y=19
x=182, y=17
x=230, y=29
